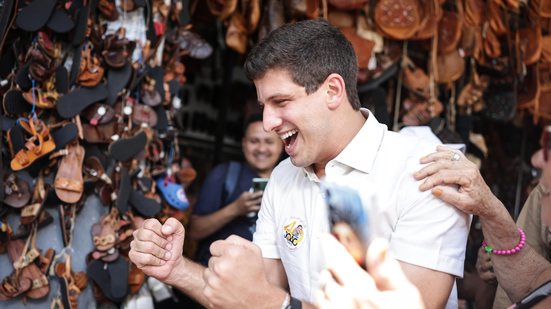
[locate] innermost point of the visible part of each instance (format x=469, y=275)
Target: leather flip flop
x=35, y=15
x=98, y=114
x=17, y=191
x=104, y=236
x=102, y=134
x=126, y=148
x=23, y=230
x=77, y=100
x=71, y=283
x=144, y=116
x=40, y=286
x=38, y=144
x=69, y=183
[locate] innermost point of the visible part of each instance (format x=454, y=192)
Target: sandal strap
x=27, y=259
x=69, y=184
x=106, y=240
x=40, y=282
x=7, y=287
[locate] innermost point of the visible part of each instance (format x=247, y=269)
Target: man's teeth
x=288, y=134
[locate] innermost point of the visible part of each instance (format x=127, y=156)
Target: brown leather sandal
x=44, y=97
x=69, y=183
x=37, y=145
x=12, y=286
x=24, y=258
x=71, y=283
x=16, y=191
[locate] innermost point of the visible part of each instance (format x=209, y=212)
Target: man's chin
x=298, y=163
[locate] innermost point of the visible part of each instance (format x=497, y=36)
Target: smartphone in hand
x=348, y=219
x=259, y=184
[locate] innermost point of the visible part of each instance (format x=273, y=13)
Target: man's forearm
x=202, y=226
x=188, y=278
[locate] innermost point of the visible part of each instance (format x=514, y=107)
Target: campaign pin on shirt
x=294, y=232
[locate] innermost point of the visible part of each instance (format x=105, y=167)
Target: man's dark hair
x=310, y=51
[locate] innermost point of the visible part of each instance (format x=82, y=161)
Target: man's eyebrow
x=278, y=96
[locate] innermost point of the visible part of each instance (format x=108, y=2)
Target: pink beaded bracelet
x=516, y=249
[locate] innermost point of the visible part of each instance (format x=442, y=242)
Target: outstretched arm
x=459, y=183
x=157, y=251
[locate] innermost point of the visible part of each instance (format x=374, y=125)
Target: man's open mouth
x=289, y=137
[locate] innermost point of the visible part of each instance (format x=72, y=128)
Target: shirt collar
x=362, y=150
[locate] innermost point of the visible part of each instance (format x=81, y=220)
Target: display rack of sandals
x=90, y=90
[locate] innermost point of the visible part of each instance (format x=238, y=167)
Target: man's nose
x=271, y=119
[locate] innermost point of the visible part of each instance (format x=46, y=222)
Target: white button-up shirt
x=421, y=229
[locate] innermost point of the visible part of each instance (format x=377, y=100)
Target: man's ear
x=335, y=90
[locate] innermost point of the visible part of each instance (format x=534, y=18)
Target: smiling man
x=219, y=213
x=305, y=75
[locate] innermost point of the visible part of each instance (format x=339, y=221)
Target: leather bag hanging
x=530, y=44
x=496, y=18
x=449, y=29
x=474, y=12
x=398, y=19
x=450, y=67
x=348, y=4
x=546, y=49
x=362, y=47
x=432, y=14
x=542, y=107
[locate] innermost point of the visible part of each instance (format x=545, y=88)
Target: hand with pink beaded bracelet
x=516, y=249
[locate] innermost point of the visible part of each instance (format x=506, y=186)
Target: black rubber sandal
x=77, y=100
x=126, y=148
x=35, y=15
x=117, y=80
x=60, y=22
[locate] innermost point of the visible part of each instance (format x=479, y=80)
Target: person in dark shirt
x=219, y=214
